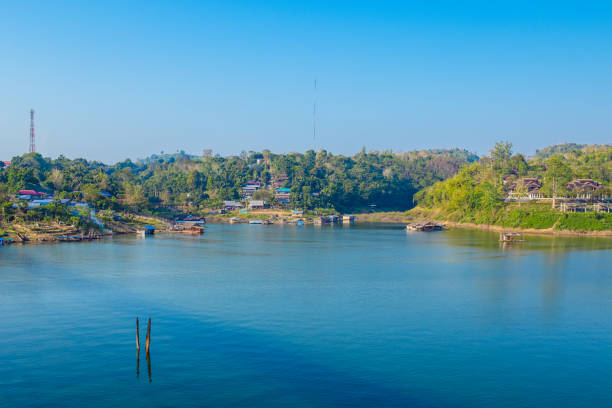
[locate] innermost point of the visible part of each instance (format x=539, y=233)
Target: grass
x=534, y=216
x=528, y=217
x=585, y=221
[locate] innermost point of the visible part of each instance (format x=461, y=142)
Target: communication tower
x=32, y=138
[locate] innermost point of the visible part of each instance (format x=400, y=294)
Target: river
x=284, y=316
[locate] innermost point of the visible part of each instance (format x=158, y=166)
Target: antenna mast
x=314, y=116
x=32, y=138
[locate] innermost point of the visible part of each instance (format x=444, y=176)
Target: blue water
x=272, y=316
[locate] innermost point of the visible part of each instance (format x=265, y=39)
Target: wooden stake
x=148, y=340
x=137, y=336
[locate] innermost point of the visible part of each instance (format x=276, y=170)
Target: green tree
x=91, y=193
x=501, y=154
x=557, y=175
x=134, y=195
x=520, y=190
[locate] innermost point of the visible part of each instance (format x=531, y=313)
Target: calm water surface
x=271, y=316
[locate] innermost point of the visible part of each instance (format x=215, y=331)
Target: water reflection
x=149, y=366
x=546, y=243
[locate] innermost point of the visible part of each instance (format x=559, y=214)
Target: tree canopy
x=316, y=179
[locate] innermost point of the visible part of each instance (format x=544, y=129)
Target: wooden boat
x=256, y=222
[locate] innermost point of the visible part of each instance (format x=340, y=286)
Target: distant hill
x=564, y=148
x=459, y=154
x=166, y=157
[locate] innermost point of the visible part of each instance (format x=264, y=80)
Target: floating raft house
x=511, y=237
x=425, y=227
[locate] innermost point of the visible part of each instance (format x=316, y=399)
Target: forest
x=161, y=184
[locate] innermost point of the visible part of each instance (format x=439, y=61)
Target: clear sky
x=117, y=79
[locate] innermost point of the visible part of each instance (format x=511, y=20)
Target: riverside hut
x=348, y=219
x=511, y=237
x=147, y=230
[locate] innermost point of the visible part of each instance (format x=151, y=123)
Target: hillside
x=569, y=191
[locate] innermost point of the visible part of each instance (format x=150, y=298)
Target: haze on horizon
x=111, y=80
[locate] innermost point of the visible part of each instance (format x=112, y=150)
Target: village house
x=39, y=202
x=279, y=180
x=583, y=188
x=192, y=220
x=531, y=185
x=250, y=188
x=231, y=205
x=282, y=195
x=257, y=204
x=30, y=195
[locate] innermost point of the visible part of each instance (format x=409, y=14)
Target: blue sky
x=115, y=79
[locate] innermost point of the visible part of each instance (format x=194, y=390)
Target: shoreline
x=371, y=218
x=403, y=218
x=31, y=233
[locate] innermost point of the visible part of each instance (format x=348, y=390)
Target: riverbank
x=421, y=215
x=52, y=231
x=270, y=215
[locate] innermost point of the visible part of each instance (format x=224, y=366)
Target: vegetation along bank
x=561, y=188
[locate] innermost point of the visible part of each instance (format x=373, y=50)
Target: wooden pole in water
x=148, y=340
x=137, y=336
